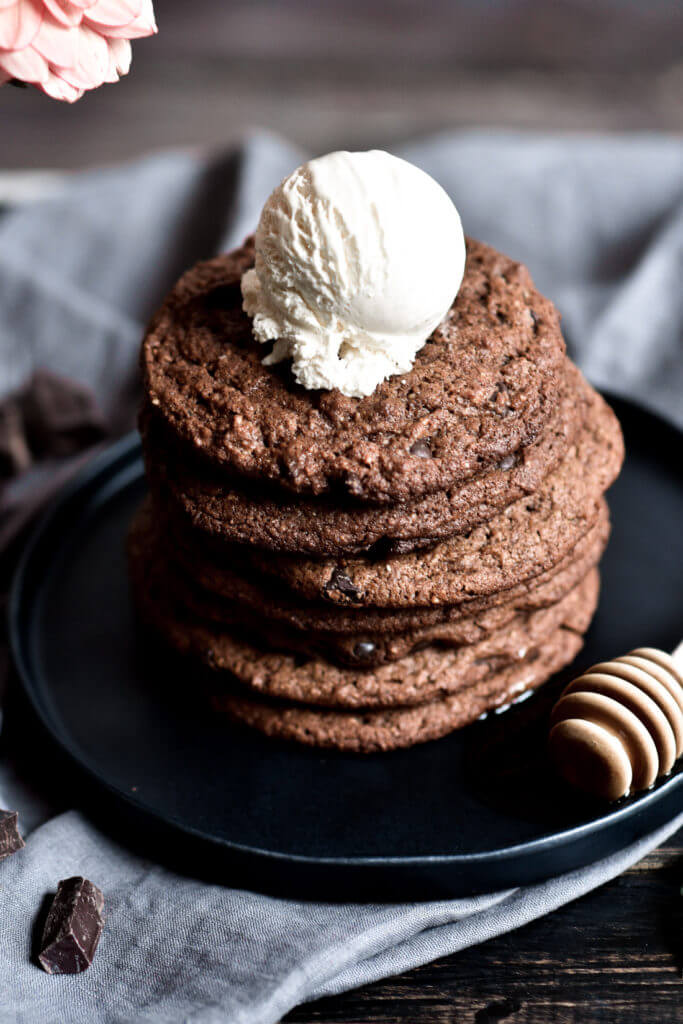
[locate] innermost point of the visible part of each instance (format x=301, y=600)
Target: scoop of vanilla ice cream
x=358, y=258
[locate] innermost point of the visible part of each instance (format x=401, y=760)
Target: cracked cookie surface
x=225, y=509
x=264, y=598
x=527, y=538
x=482, y=386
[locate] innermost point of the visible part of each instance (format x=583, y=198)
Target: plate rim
x=127, y=449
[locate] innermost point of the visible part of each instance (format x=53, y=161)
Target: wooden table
x=359, y=74
x=612, y=957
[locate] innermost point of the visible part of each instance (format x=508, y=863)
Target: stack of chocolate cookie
x=370, y=573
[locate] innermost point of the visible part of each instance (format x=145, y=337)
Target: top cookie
x=482, y=386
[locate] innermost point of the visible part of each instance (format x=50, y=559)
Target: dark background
x=356, y=73
x=360, y=74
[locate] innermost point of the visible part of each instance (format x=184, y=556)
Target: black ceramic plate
x=477, y=810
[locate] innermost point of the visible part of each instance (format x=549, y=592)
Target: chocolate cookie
x=274, y=605
x=503, y=625
x=227, y=509
x=369, y=731
x=527, y=538
x=366, y=650
x=483, y=386
x=423, y=676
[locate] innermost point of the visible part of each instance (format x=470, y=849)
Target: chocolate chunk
x=223, y=296
x=421, y=449
x=73, y=927
x=364, y=649
x=341, y=582
x=387, y=548
x=10, y=840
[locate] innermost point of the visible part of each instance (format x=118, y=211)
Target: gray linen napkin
x=599, y=222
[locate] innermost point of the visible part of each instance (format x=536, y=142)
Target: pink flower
x=67, y=46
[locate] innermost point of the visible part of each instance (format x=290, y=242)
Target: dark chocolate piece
x=10, y=840
x=343, y=584
x=73, y=927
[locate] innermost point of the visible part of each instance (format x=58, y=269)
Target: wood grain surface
x=358, y=73
x=612, y=957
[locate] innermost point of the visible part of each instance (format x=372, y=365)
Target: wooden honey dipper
x=618, y=727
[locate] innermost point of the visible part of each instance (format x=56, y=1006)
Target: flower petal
x=68, y=46
x=112, y=74
x=19, y=24
x=58, y=44
x=92, y=65
x=58, y=89
x=114, y=13
x=142, y=25
x=27, y=65
x=145, y=23
x=64, y=12
x=77, y=78
x=120, y=56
